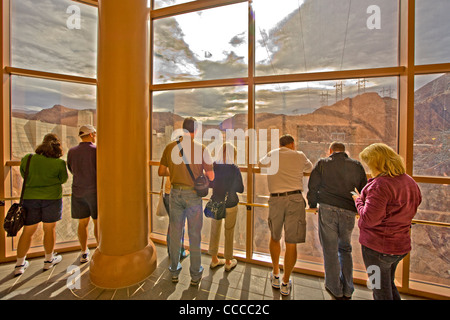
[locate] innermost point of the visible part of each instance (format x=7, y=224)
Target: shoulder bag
x=201, y=183
x=216, y=210
x=15, y=217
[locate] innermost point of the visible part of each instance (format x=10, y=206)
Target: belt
x=282, y=194
x=182, y=187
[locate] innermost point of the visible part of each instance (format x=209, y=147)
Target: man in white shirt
x=286, y=207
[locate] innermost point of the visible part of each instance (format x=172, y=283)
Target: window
x=432, y=37
x=60, y=37
x=48, y=37
x=322, y=71
x=202, y=45
x=325, y=35
x=432, y=125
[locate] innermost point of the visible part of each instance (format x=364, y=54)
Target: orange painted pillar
x=125, y=255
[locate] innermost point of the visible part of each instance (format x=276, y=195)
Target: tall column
x=125, y=255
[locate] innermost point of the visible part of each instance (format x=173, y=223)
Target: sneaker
x=19, y=270
x=175, y=279
x=275, y=281
x=195, y=283
x=220, y=262
x=285, y=288
x=84, y=257
x=229, y=267
x=49, y=264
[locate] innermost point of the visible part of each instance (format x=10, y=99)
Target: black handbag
x=201, y=183
x=15, y=217
x=216, y=210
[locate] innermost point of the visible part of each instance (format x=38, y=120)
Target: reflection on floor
x=70, y=281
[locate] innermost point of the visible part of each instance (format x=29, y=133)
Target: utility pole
x=338, y=87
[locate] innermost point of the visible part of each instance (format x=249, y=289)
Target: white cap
x=86, y=129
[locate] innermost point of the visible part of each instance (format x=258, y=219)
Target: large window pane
x=432, y=36
x=39, y=107
x=205, y=45
x=325, y=35
x=217, y=109
x=430, y=246
x=42, y=106
x=357, y=112
x=432, y=125
x=57, y=36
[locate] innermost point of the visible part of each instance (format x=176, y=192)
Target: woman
x=227, y=181
x=42, y=199
x=386, y=206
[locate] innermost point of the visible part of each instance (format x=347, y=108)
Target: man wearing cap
x=82, y=163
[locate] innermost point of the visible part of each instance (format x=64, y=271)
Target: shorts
x=47, y=211
x=288, y=212
x=84, y=207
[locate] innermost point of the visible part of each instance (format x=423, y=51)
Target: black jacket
x=227, y=178
x=333, y=178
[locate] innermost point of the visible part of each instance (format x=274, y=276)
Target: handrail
x=262, y=205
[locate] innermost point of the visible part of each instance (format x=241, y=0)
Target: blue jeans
x=185, y=204
x=182, y=250
x=385, y=289
x=335, y=231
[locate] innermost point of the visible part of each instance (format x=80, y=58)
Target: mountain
x=58, y=114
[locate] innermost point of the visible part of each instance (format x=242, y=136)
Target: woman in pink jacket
x=386, y=206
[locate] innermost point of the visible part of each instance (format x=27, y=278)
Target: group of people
x=338, y=190
x=42, y=198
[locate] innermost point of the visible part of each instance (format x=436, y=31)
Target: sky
x=42, y=40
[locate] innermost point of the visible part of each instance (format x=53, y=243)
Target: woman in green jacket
x=42, y=199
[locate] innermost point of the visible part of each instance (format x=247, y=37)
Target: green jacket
x=45, y=177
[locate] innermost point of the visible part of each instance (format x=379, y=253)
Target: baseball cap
x=86, y=129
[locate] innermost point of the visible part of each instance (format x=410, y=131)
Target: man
x=330, y=185
x=82, y=163
x=184, y=202
x=286, y=208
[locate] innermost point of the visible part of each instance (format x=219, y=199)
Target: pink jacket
x=386, y=207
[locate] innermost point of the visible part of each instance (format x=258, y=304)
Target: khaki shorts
x=288, y=211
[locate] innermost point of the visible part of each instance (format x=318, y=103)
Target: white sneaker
x=18, y=270
x=229, y=267
x=275, y=281
x=84, y=257
x=55, y=260
x=285, y=288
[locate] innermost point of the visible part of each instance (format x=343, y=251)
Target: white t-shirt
x=291, y=166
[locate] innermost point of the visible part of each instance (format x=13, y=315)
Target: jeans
x=185, y=204
x=382, y=280
x=182, y=250
x=335, y=231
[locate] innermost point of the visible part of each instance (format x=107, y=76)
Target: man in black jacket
x=330, y=185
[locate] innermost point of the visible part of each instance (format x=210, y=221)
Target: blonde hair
x=382, y=158
x=227, y=154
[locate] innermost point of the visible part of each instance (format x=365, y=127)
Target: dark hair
x=286, y=139
x=50, y=146
x=190, y=124
x=337, y=147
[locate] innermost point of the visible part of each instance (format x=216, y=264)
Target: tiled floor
x=70, y=281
